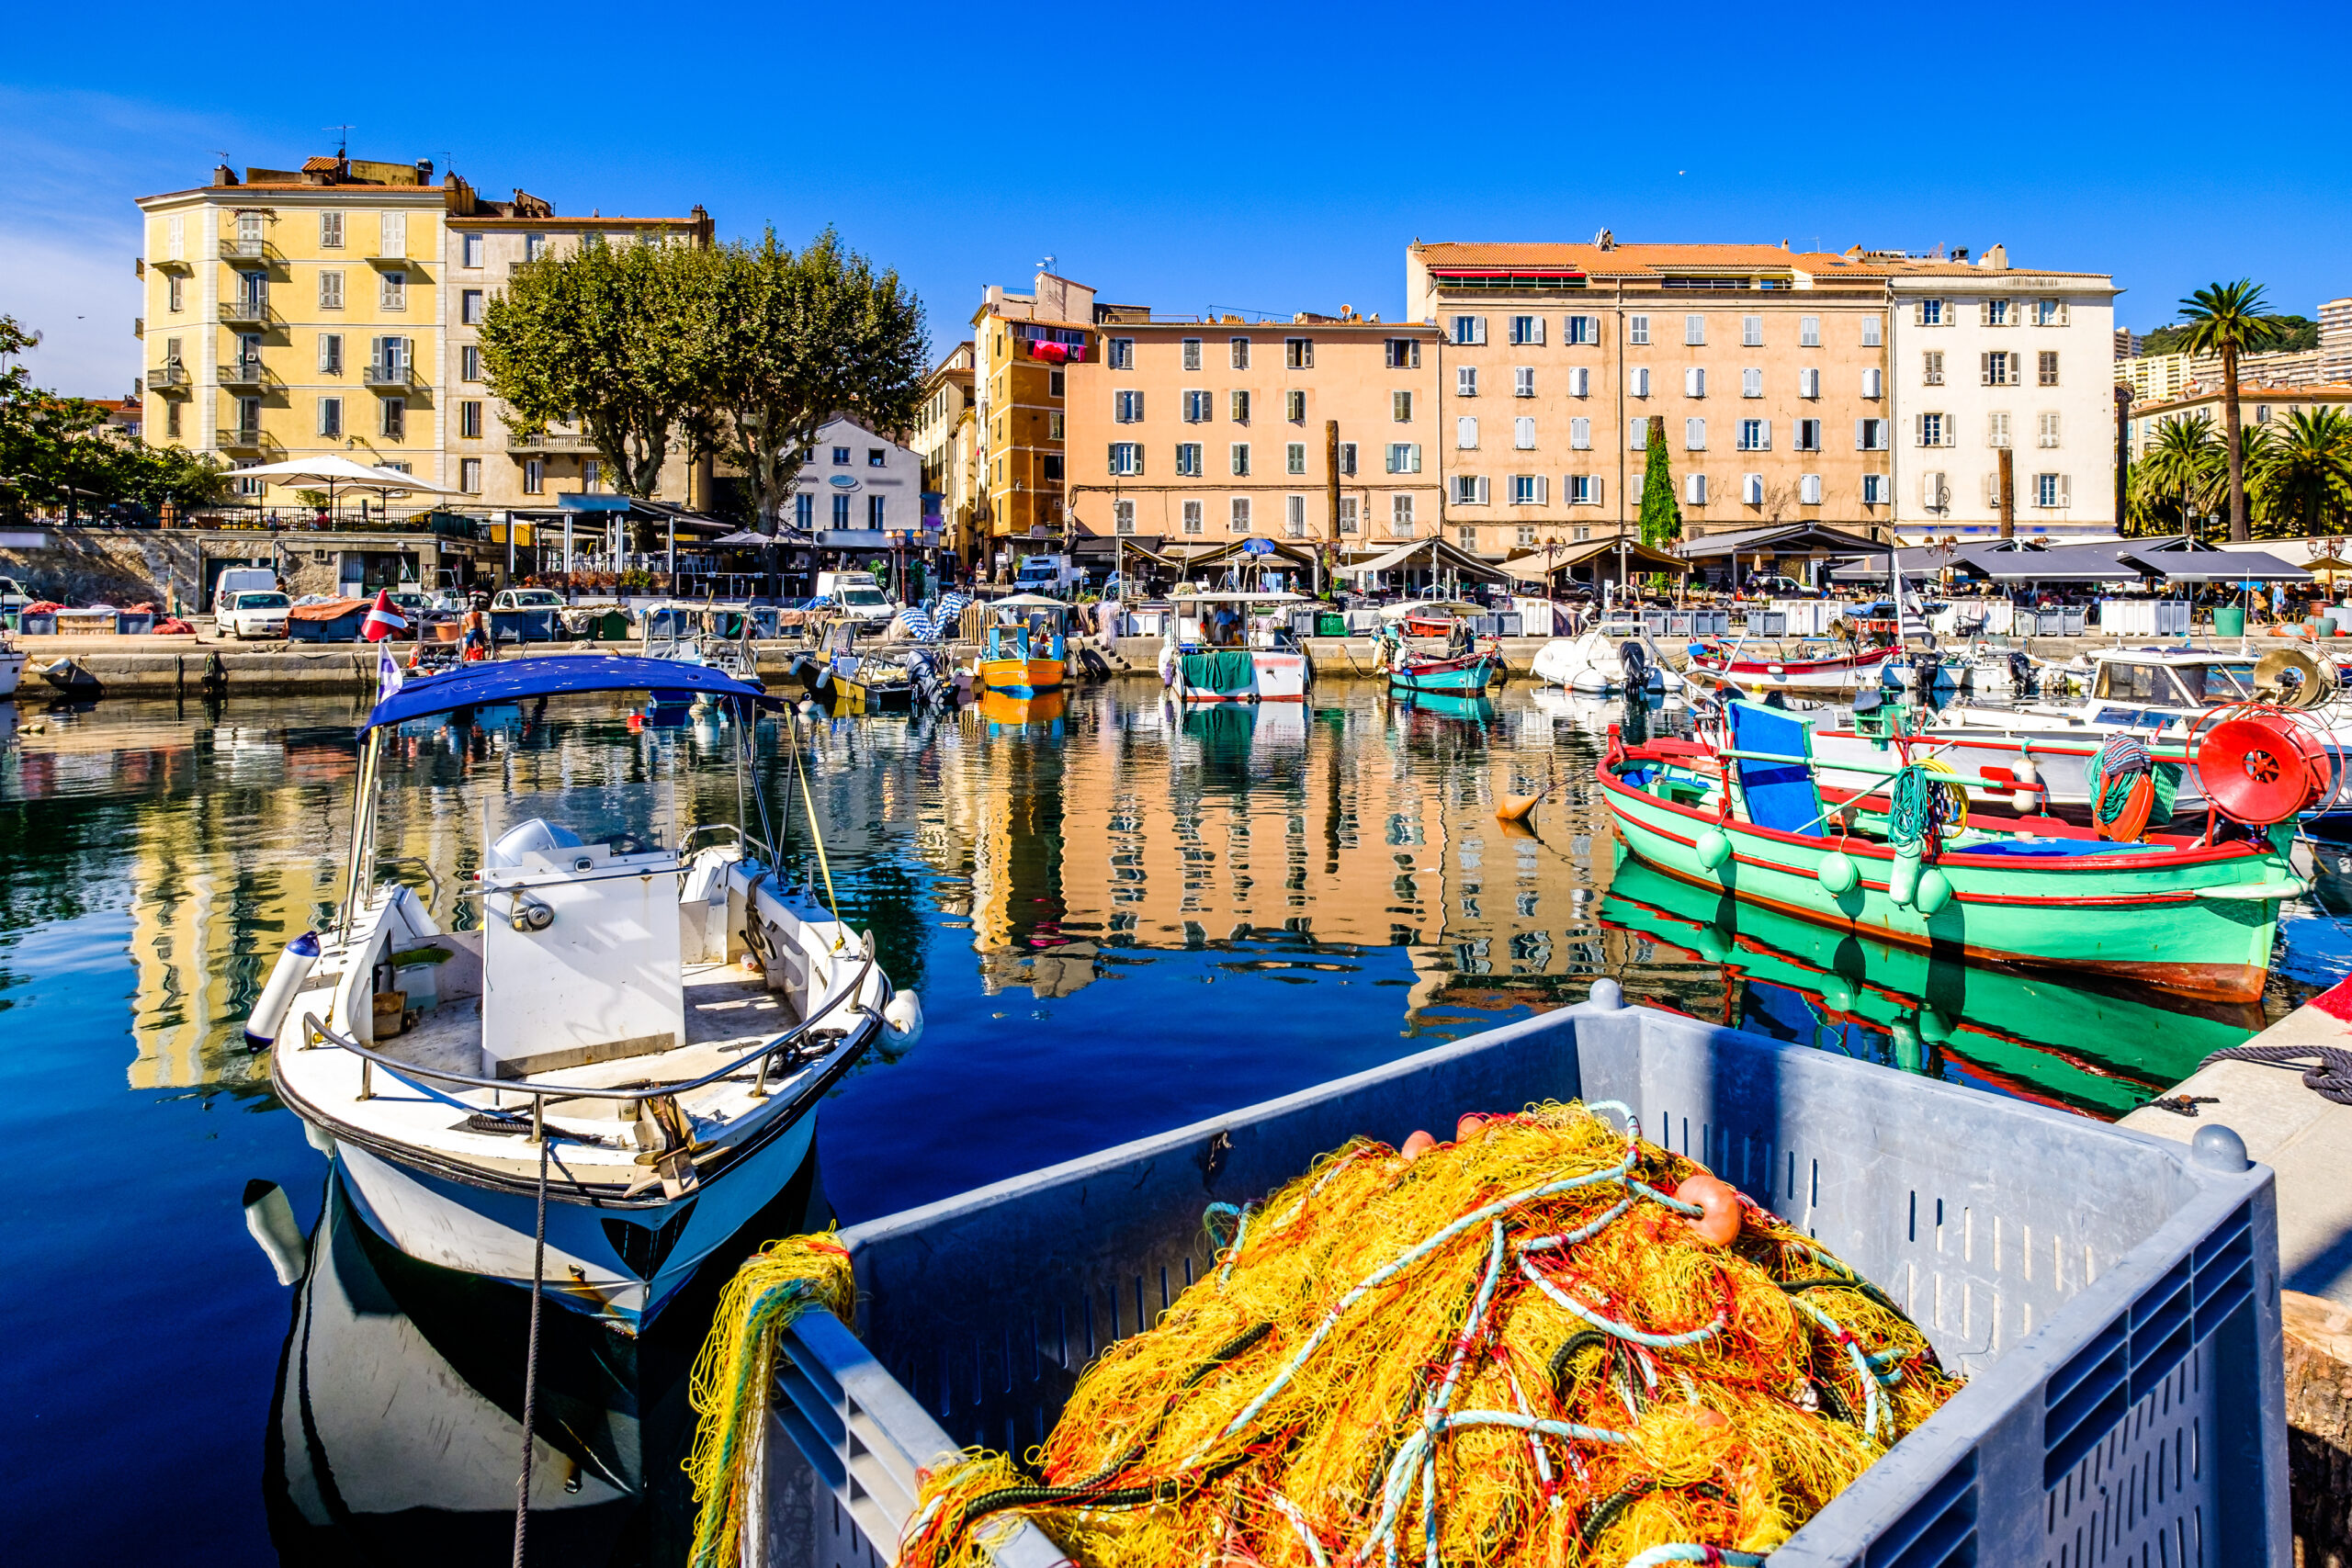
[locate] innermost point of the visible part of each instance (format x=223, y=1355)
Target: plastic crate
x=2111, y=1297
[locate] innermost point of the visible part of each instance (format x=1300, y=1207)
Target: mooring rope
x=2330, y=1080
x=531, y=1357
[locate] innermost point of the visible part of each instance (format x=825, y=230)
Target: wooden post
x=2008, y=496
x=1331, y=486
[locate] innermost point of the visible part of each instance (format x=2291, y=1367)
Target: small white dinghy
x=1617, y=654
x=643, y=1028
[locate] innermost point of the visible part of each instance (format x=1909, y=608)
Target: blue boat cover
x=512, y=680
x=1779, y=795
x=2054, y=846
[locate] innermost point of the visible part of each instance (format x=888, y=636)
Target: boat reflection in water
x=2092, y=1051
x=396, y=1429
x=1468, y=709
x=1004, y=711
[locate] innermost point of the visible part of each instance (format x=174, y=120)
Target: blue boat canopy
x=471, y=685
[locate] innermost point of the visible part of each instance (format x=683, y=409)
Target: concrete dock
x=2307, y=1140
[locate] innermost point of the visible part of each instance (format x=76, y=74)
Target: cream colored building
x=335, y=309
x=946, y=440
x=2162, y=377
x=2259, y=406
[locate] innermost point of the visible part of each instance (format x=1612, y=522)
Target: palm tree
x=2181, y=474
x=2303, y=474
x=2230, y=319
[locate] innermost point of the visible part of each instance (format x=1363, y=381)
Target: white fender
x=270, y=1218
x=902, y=1021
x=295, y=963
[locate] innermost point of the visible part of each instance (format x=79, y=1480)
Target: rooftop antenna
x=1046, y=265
x=342, y=138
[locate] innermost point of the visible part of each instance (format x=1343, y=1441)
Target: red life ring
x=2260, y=770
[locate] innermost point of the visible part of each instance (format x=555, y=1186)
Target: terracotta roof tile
x=1638, y=259
x=321, y=165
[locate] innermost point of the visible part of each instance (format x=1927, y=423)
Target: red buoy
x=2259, y=770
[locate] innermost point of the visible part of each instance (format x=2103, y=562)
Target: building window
x=534, y=246
x=2047, y=436
x=534, y=480
x=1193, y=516
x=1466, y=432
x=1637, y=329
x=1346, y=459
x=1199, y=407
x=1694, y=490
x=1928, y=312
x=1404, y=353
x=877, y=511
x=171, y=416
x=1054, y=426
x=470, y=362
x=1522, y=381
x=1638, y=381
x=392, y=234
x=1469, y=490
x=841, y=510
x=1465, y=380
x=1240, y=453
x=1870, y=436
x=1694, y=330
x=1751, y=331
x=1188, y=459
x=1874, y=489
x=470, y=420
x=1348, y=518
x=329, y=353
x=1996, y=431
x=330, y=291
x=330, y=230
x=1996, y=370
x=1191, y=354
x=469, y=306
x=1694, y=382
x=1240, y=523
x=1526, y=329
x=1123, y=517
x=1240, y=408
x=1931, y=368
x=331, y=417
x=1404, y=456
x=1584, y=490
x=1694, y=435
x=1808, y=332
x=1295, y=407
x=1523, y=435
x=1869, y=331
x=841, y=457
x=1809, y=490
x=1637, y=434
x=469, y=474
x=2048, y=312
x=175, y=296
x=1466, y=537
x=1751, y=382
x=1932, y=429
x=591, y=476
x=2049, y=367
x=1527, y=490
x=1996, y=313
x=393, y=293
x=1400, y=407
x=395, y=418
x=1469, y=331
x=1579, y=381
x=1238, y=353
x=1809, y=382
x=1298, y=354
x=1755, y=435
x=1524, y=534
x=1873, y=382
x=1126, y=458
x=1295, y=457
x=1054, y=383
x=1295, y=516
x=1579, y=436
x=1751, y=489
x=1126, y=408
x=1582, y=331
x=1123, y=353
x=1401, y=516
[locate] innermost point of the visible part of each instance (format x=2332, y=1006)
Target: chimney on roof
x=424, y=170
x=1996, y=257
x=1604, y=241
x=1960, y=252
x=222, y=174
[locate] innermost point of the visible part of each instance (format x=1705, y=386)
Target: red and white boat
x=1819, y=668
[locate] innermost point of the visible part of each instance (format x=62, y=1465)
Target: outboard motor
x=1636, y=663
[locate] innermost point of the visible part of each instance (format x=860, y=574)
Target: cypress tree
x=1661, y=517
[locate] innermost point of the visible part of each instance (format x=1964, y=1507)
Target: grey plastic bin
x=2112, y=1297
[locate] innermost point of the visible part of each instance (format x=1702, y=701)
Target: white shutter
x=1637, y=434
x=1809, y=489
x=1592, y=491
x=1694, y=382
x=1486, y=494
x=1993, y=490
x=2066, y=489
x=1466, y=432
x=1523, y=433
x=1580, y=434
x=1919, y=313
x=175, y=239
x=1642, y=382
x=1861, y=435
x=1751, y=383
x=2063, y=312
x=1412, y=456
x=1694, y=434
x=1767, y=426
x=1871, y=382
x=1543, y=490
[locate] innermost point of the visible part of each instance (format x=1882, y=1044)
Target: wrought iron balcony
x=239, y=247
x=168, y=377
x=243, y=438
x=549, y=441
x=245, y=372
x=388, y=378
x=244, y=307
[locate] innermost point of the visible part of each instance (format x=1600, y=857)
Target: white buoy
x=294, y=966
x=270, y=1218
x=902, y=1025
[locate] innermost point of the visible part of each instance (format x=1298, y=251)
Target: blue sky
x=1250, y=158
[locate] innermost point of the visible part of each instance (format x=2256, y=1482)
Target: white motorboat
x=1235, y=647
x=635, y=1028
x=12, y=664
x=1615, y=654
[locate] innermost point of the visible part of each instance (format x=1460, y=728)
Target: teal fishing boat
x=1916, y=862
x=2099, y=1049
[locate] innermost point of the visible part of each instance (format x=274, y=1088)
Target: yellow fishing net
x=1519, y=1348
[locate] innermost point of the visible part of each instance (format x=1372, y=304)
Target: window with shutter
x=1465, y=380
x=1637, y=434
x=1580, y=434
x=1694, y=434
x=1694, y=382
x=1809, y=382
x=1523, y=435
x=1346, y=459
x=1579, y=382
x=1240, y=514
x=1694, y=490
x=1751, y=488
x=1295, y=516
x=1191, y=354
x=1298, y=353
x=1522, y=381
x=394, y=227
x=1637, y=329
x=1295, y=457
x=1400, y=407
x=1872, y=379
x=1640, y=386
x=1295, y=407
x=1751, y=331
x=1809, y=489
x=1751, y=382
x=1241, y=459
x=1195, y=516
x=1869, y=331
x=1469, y=331
x=1931, y=491
x=1466, y=432
x=1241, y=353
x=1694, y=330
x=1240, y=408
x=1809, y=332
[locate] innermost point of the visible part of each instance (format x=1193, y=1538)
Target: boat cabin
x=1234, y=619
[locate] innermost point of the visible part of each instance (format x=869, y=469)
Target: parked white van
x=237, y=580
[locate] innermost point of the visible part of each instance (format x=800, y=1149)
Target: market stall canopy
x=745, y=539
x=1443, y=557
x=2226, y=566
x=331, y=469
x=1542, y=565
x=1784, y=539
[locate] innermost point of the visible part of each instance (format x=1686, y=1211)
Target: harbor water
x=1119, y=918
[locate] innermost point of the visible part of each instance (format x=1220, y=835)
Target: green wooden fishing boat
x=2038, y=1037
x=1742, y=813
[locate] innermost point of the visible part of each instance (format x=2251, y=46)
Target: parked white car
x=249, y=614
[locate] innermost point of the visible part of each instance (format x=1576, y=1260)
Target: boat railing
x=433, y=898
x=316, y=1033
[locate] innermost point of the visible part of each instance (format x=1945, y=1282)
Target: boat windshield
x=2121, y=682
x=2217, y=683
x=624, y=817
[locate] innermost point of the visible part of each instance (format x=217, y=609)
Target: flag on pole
x=387, y=673
x=382, y=619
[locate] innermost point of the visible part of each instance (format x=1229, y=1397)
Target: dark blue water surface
x=1118, y=921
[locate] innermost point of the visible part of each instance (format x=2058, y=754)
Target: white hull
x=12, y=671
x=1592, y=663
x=1276, y=676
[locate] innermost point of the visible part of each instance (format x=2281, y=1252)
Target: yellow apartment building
x=1024, y=345
x=1195, y=430
x=335, y=308
x=945, y=438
